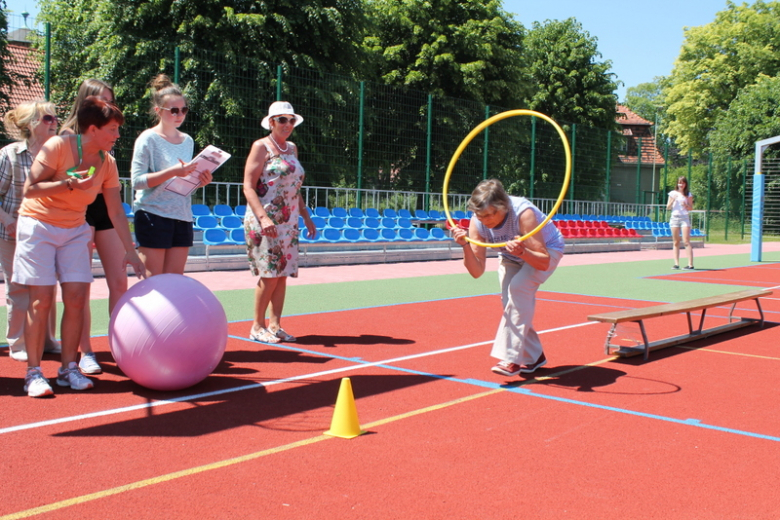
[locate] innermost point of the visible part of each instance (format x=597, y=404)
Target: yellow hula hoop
x=486, y=123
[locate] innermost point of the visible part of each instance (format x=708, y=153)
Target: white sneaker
x=35, y=384
x=18, y=355
x=89, y=365
x=73, y=378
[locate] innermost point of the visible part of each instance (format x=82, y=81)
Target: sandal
x=283, y=336
x=264, y=336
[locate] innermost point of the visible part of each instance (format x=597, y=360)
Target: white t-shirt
x=678, y=209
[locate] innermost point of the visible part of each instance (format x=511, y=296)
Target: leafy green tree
x=229, y=51
x=716, y=61
x=468, y=49
x=571, y=85
x=645, y=99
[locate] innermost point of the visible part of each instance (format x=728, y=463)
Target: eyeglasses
x=175, y=110
x=49, y=119
x=284, y=120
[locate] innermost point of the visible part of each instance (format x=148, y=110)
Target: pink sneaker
x=505, y=368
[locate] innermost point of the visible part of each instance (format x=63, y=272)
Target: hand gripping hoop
x=486, y=123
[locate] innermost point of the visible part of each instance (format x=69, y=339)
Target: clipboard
x=209, y=159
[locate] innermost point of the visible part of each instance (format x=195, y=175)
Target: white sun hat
x=280, y=108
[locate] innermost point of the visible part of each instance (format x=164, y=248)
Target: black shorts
x=97, y=214
x=156, y=232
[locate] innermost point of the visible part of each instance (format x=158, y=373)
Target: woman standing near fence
x=104, y=237
x=35, y=122
x=163, y=218
x=272, y=186
x=681, y=203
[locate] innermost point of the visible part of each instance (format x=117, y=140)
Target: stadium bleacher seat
x=237, y=236
x=389, y=234
x=319, y=222
x=458, y=214
x=371, y=234
x=438, y=234
x=389, y=223
x=231, y=222
x=356, y=213
x=389, y=213
x=335, y=222
x=203, y=222
x=420, y=214
x=372, y=213
x=128, y=210
x=222, y=210
x=322, y=212
x=214, y=236
x=405, y=213
x=371, y=223
x=339, y=212
x=200, y=210
x=240, y=210
x=354, y=222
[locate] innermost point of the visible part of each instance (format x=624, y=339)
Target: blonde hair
x=162, y=87
x=89, y=87
x=489, y=193
x=21, y=121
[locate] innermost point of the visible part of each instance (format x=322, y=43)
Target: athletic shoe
x=505, y=368
x=530, y=369
x=688, y=268
x=282, y=335
x=52, y=347
x=73, y=378
x=35, y=384
x=675, y=266
x=89, y=365
x=18, y=355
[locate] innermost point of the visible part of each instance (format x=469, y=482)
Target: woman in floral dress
x=272, y=187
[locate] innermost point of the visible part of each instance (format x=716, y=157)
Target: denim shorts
x=676, y=222
x=156, y=232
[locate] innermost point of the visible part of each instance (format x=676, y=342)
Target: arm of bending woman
x=532, y=250
x=474, y=256
x=117, y=214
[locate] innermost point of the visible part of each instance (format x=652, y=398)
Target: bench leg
x=644, y=337
x=610, y=335
x=701, y=321
x=760, y=313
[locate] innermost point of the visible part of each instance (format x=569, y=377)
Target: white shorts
x=47, y=253
x=684, y=221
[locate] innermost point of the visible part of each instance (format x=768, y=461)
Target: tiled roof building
x=638, y=130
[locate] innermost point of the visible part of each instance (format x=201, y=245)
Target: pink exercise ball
x=168, y=332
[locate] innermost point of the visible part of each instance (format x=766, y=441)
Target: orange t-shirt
x=68, y=209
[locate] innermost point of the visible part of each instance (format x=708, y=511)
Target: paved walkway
x=228, y=280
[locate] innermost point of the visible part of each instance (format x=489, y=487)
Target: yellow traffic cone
x=345, y=423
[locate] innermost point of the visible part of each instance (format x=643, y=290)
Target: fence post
x=709, y=194
x=428, y=141
x=573, y=155
x=360, y=145
x=485, y=148
x=278, y=82
x=728, y=197
x=744, y=197
x=666, y=171
x=176, y=63
x=639, y=171
x=609, y=166
x=47, y=64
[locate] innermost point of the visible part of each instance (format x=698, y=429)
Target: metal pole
x=609, y=167
x=278, y=82
x=639, y=171
x=486, y=147
x=428, y=152
x=176, y=63
x=47, y=64
x=573, y=155
x=360, y=145
x=533, y=156
x=728, y=196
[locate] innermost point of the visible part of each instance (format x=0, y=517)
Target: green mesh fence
x=360, y=139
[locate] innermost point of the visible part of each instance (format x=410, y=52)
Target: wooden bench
x=701, y=304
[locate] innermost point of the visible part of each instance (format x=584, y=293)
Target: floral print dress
x=278, y=188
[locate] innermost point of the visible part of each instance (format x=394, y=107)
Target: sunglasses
x=175, y=110
x=284, y=120
x=49, y=119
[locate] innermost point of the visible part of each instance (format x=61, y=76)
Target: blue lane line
x=524, y=390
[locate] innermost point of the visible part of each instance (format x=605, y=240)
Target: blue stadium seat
x=388, y=235
x=335, y=222
x=356, y=213
x=458, y=214
x=389, y=223
x=439, y=234
x=435, y=215
x=322, y=212
x=405, y=213
x=128, y=210
x=372, y=213
x=389, y=213
x=339, y=212
x=355, y=222
x=200, y=210
x=332, y=235
x=353, y=235
x=231, y=222
x=420, y=214
x=240, y=210
x=319, y=222
x=372, y=223
x=237, y=236
x=304, y=236
x=206, y=222
x=371, y=235
x=222, y=210
x=406, y=234
x=422, y=234
x=214, y=237
x=404, y=223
